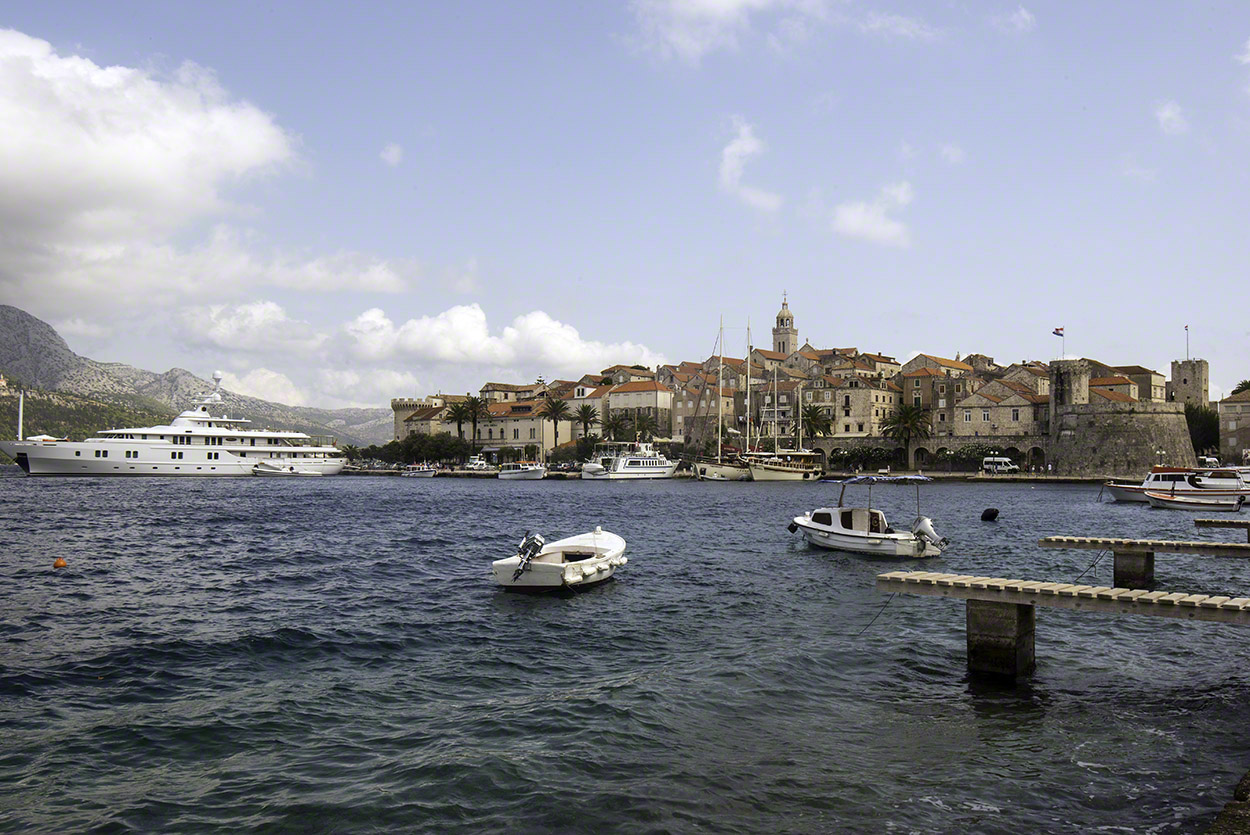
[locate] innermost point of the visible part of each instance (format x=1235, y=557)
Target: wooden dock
x=1135, y=558
x=1244, y=524
x=1001, y=613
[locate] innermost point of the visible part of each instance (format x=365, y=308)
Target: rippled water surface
x=329, y=655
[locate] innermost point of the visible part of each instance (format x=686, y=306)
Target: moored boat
x=785, y=465
x=574, y=562
x=522, y=471
x=615, y=460
x=268, y=470
x=864, y=530
x=1170, y=501
x=1224, y=482
x=420, y=471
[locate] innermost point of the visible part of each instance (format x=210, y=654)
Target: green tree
x=815, y=422
x=644, y=426
x=587, y=415
x=1244, y=385
x=458, y=413
x=351, y=452
x=477, y=411
x=555, y=410
x=1204, y=427
x=614, y=426
x=907, y=424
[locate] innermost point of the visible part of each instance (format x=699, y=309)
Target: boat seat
x=578, y=556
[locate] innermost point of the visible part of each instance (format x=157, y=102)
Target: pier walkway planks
x=1135, y=558
x=1244, y=524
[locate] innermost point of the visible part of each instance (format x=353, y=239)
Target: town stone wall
x=1120, y=439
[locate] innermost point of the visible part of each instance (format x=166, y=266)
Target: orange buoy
x=59, y=562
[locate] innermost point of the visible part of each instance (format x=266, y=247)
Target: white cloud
x=80, y=327
x=1244, y=57
x=265, y=384
x=689, y=29
x=1171, y=118
x=872, y=221
x=733, y=159
x=897, y=26
x=255, y=326
x=1018, y=22
x=365, y=387
x=100, y=167
x=466, y=279
x=952, y=154
x=392, y=154
x=461, y=336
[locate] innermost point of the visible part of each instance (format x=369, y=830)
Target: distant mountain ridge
x=32, y=351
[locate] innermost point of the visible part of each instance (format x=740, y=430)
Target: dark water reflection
x=330, y=655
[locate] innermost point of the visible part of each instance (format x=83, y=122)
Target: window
x=861, y=427
x=1015, y=415
x=915, y=401
x=516, y=434
x=78, y=453
x=985, y=415
x=942, y=388
x=941, y=417
x=967, y=416
x=959, y=387
x=97, y=453
x=915, y=384
x=846, y=413
x=532, y=435
x=846, y=427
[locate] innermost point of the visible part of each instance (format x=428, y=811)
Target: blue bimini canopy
x=879, y=479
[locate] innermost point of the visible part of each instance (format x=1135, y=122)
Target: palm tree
x=614, y=425
x=477, y=410
x=458, y=412
x=907, y=424
x=587, y=415
x=815, y=421
x=1244, y=385
x=555, y=410
x=644, y=426
x=351, y=452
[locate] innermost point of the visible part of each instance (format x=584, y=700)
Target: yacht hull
x=769, y=472
x=523, y=475
x=76, y=458
x=609, y=475
x=720, y=472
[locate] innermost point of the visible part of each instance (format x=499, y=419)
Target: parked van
x=1208, y=461
x=998, y=465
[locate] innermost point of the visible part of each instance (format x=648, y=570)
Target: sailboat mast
x=748, y=369
x=776, y=448
x=798, y=407
x=720, y=370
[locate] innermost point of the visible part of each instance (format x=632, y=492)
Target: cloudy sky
x=339, y=203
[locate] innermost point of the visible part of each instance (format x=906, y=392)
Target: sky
x=340, y=203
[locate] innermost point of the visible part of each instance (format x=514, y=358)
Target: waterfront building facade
x=1235, y=428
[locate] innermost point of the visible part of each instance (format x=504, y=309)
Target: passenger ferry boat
x=522, y=471
x=196, y=443
x=786, y=465
x=628, y=460
x=1184, y=482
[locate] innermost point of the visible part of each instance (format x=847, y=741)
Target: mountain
x=33, y=352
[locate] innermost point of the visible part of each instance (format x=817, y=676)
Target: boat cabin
x=860, y=519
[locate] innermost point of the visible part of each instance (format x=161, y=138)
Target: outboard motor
x=530, y=545
x=923, y=528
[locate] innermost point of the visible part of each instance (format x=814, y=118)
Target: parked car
x=995, y=464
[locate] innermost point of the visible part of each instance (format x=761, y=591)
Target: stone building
x=511, y=393
x=1235, y=428
x=404, y=408
x=785, y=334
x=1119, y=383
x=856, y=407
x=587, y=395
x=1151, y=385
x=643, y=397
x=695, y=413
x=1189, y=383
x=514, y=425
x=621, y=374
x=954, y=368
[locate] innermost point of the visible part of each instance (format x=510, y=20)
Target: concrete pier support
x=1134, y=570
x=1000, y=638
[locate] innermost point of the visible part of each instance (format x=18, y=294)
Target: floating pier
x=1001, y=612
x=1135, y=558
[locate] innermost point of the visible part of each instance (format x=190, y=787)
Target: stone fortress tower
x=785, y=334
x=1189, y=382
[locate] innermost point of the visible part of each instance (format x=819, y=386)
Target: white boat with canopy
x=201, y=441
x=864, y=530
x=1183, y=482
x=574, y=562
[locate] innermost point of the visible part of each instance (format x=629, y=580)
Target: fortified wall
x=1090, y=435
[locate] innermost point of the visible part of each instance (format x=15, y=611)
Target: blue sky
x=572, y=185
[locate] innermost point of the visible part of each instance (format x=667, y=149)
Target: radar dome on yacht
x=217, y=375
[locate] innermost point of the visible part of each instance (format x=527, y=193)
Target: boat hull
x=770, y=472
x=601, y=474
x=709, y=471
x=419, y=474
x=1135, y=493
x=59, y=459
x=523, y=475
x=1166, y=501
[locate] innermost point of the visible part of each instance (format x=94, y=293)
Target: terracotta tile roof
x=1111, y=381
x=424, y=413
x=881, y=358
x=772, y=355
x=1133, y=369
x=893, y=386
x=1107, y=394
x=1021, y=388
x=1037, y=371
x=1036, y=398
x=641, y=372
x=924, y=372
x=505, y=387
x=811, y=355
x=948, y=363
x=640, y=385
x=1239, y=397
x=990, y=397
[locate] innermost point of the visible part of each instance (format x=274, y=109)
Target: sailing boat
x=785, y=464
x=720, y=469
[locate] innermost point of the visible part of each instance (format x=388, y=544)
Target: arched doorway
x=1037, y=459
x=922, y=458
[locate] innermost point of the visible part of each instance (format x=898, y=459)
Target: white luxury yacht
x=196, y=443
x=625, y=460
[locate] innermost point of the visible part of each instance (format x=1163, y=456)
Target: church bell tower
x=785, y=334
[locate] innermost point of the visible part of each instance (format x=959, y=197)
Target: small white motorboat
x=265, y=469
x=864, y=530
x=577, y=561
x=1171, y=501
x=522, y=471
x=420, y=471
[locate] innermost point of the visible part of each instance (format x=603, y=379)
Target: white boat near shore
x=1221, y=483
x=199, y=442
x=522, y=471
x=1170, y=501
x=614, y=460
